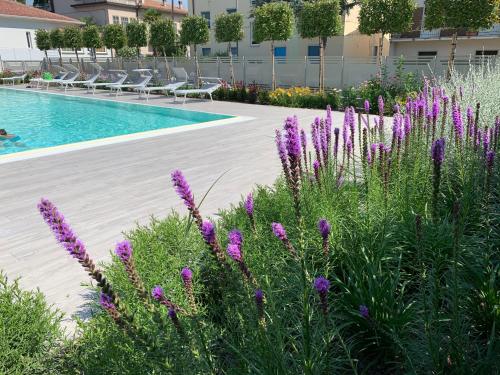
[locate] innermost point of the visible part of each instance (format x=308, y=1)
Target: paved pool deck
x=108, y=189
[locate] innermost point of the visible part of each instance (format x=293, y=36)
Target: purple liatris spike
x=316, y=139
x=364, y=312
x=259, y=302
x=435, y=109
x=282, y=155
x=336, y=133
x=303, y=143
x=457, y=121
x=381, y=104
x=208, y=232
x=186, y=274
x=437, y=151
x=292, y=137
x=316, y=167
x=407, y=125
x=234, y=252
x=187, y=279
x=106, y=302
x=324, y=228
x=235, y=237
x=322, y=286
x=373, y=149
x=123, y=250
x=279, y=231
x=486, y=140
x=249, y=205
x=182, y=188
x=490, y=159
x=157, y=293
x=367, y=106
x=397, y=108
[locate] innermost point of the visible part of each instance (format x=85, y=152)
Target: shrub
x=30, y=331
x=375, y=254
x=304, y=97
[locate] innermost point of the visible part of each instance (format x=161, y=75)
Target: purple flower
x=249, y=205
x=186, y=274
x=407, y=126
x=490, y=159
x=281, y=147
x=208, y=232
x=292, y=137
x=172, y=314
x=381, y=105
x=315, y=137
x=486, y=140
x=123, y=250
x=336, y=133
x=321, y=285
x=279, y=231
x=235, y=237
x=437, y=151
x=373, y=149
x=259, y=301
x=106, y=302
x=234, y=252
x=303, y=139
x=457, y=121
x=367, y=106
x=182, y=188
x=364, y=312
x=397, y=108
x=157, y=293
x=324, y=228
x=259, y=296
x=435, y=109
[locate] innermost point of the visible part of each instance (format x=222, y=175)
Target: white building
x=18, y=24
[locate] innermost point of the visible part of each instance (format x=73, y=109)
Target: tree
x=162, y=36
x=151, y=16
x=114, y=37
x=194, y=31
x=57, y=41
x=471, y=15
x=137, y=35
x=73, y=39
x=229, y=28
x=43, y=41
x=321, y=20
x=91, y=36
x=273, y=22
x=385, y=17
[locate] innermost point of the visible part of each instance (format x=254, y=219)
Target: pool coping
x=69, y=147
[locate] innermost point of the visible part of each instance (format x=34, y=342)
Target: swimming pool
x=43, y=120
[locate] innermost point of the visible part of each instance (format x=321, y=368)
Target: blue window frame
x=206, y=51
x=206, y=15
x=231, y=10
x=234, y=51
x=313, y=51
x=279, y=51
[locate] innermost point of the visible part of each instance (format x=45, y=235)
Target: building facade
x=18, y=24
x=350, y=44
x=429, y=43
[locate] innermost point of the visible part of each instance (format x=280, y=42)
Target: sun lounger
x=144, y=77
x=87, y=82
x=121, y=77
x=61, y=75
x=209, y=85
x=68, y=78
x=180, y=79
x=13, y=79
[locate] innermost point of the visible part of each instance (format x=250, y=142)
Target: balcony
x=448, y=33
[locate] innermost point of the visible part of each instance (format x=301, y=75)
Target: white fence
x=340, y=71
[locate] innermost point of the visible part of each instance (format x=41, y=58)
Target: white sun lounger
x=210, y=84
x=87, y=82
x=13, y=79
x=181, y=78
x=70, y=77
x=145, y=76
x=121, y=77
x=40, y=80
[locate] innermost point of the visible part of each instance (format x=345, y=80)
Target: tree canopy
x=137, y=34
x=151, y=16
x=162, y=35
x=91, y=36
x=194, y=30
x=114, y=36
x=57, y=38
x=42, y=39
x=273, y=22
x=469, y=14
x=229, y=27
x=73, y=38
x=385, y=16
x=319, y=19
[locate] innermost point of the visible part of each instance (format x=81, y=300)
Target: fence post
x=305, y=71
x=342, y=74
x=244, y=70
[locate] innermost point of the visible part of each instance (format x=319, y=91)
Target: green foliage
x=73, y=38
x=42, y=39
x=194, y=31
x=126, y=52
x=114, y=36
x=319, y=19
x=468, y=14
x=137, y=34
x=91, y=36
x=385, y=16
x=151, y=16
x=229, y=27
x=273, y=22
x=162, y=35
x=30, y=331
x=57, y=38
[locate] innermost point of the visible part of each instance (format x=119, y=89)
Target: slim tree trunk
x=231, y=63
x=273, y=79
x=322, y=47
x=380, y=54
x=60, y=56
x=197, y=66
x=47, y=58
x=78, y=59
x=451, y=59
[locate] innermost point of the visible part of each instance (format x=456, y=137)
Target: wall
x=465, y=47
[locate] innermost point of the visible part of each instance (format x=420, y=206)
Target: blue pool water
x=44, y=120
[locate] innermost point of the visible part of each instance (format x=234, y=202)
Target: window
x=28, y=39
x=206, y=15
x=100, y=50
x=486, y=53
x=124, y=20
x=313, y=51
x=279, y=51
x=234, y=51
x=427, y=53
x=252, y=41
x=116, y=19
x=375, y=50
x=231, y=10
x=206, y=51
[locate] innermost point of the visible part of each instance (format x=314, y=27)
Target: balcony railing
x=447, y=33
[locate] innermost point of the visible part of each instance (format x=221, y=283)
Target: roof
x=145, y=4
x=14, y=9
x=152, y=4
